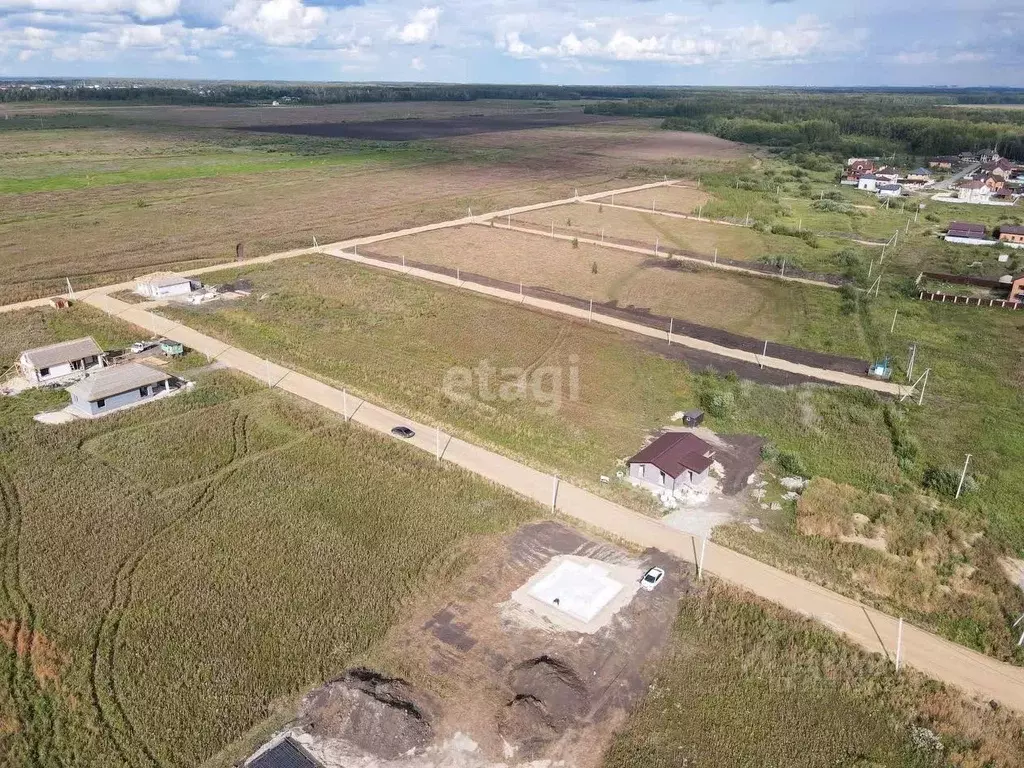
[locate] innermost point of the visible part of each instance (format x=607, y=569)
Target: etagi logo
x=546, y=385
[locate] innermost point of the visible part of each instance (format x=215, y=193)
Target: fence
x=968, y=300
x=981, y=282
x=644, y=317
x=755, y=266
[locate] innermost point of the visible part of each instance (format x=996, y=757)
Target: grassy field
x=739, y=243
x=201, y=588
x=393, y=339
x=131, y=189
x=746, y=684
x=675, y=199
x=787, y=313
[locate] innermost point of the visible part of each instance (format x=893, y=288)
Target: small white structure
x=56, y=362
x=867, y=182
x=165, y=285
x=890, y=190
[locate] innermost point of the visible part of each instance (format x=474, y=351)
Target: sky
x=593, y=42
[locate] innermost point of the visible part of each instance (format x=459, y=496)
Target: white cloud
x=417, y=64
x=277, y=22
x=421, y=27
x=797, y=41
x=970, y=57
x=143, y=9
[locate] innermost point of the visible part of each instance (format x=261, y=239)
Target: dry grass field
x=741, y=243
x=168, y=585
x=743, y=683
x=788, y=313
x=135, y=188
x=394, y=339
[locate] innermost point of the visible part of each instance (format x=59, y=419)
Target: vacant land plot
x=100, y=205
x=199, y=584
x=413, y=129
x=396, y=340
x=787, y=313
x=744, y=683
x=675, y=199
x=590, y=220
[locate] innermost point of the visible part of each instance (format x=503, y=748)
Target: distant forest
x=197, y=93
x=842, y=123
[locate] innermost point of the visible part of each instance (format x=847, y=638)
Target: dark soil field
x=411, y=130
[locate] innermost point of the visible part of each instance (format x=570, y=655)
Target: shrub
x=832, y=206
x=575, y=242
x=849, y=300
x=718, y=403
x=791, y=463
x=945, y=481
x=769, y=451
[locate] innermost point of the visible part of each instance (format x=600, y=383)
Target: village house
x=967, y=233
x=60, y=361
x=868, y=182
x=920, y=176
x=165, y=285
x=945, y=163
x=1002, y=168
x=1017, y=288
x=673, y=461
x=117, y=387
x=974, y=191
x=887, y=174
x=890, y=190
x=1011, y=233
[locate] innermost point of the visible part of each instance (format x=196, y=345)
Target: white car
x=141, y=346
x=652, y=578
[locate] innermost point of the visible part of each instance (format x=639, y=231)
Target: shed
x=117, y=387
x=163, y=285
x=890, y=190
x=693, y=418
x=285, y=754
x=674, y=460
x=1017, y=288
x=965, y=229
x=172, y=348
x=59, y=361
x=1010, y=233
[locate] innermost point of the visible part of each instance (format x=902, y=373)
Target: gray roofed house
x=118, y=387
x=285, y=754
x=58, y=361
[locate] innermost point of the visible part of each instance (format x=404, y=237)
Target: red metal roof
x=674, y=452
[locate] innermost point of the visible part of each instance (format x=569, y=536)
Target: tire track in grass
x=104, y=660
x=22, y=682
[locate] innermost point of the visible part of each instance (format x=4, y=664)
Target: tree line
x=917, y=123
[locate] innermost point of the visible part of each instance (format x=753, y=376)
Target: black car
x=402, y=432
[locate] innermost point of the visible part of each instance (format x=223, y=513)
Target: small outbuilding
x=674, y=460
x=693, y=418
x=285, y=753
x=55, y=362
x=166, y=285
x=890, y=190
x=1017, y=288
x=119, y=386
x=1010, y=233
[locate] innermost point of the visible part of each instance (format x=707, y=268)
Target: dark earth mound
x=382, y=715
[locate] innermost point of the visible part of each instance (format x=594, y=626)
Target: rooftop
x=674, y=452
x=284, y=754
x=116, y=380
x=63, y=352
x=1011, y=229
x=163, y=279
x=966, y=229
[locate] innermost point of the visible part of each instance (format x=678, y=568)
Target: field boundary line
x=663, y=255
x=355, y=242
x=944, y=660
x=670, y=214
x=820, y=374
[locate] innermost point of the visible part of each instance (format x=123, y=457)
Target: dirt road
x=975, y=673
